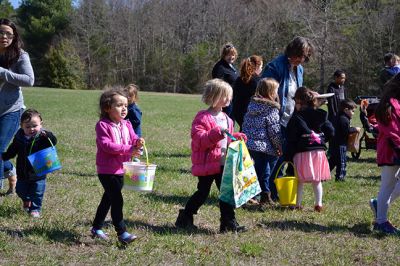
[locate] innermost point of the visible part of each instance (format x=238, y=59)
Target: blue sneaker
x=98, y=233
x=386, y=228
x=126, y=238
x=373, y=203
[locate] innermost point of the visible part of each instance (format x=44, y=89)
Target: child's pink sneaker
x=35, y=214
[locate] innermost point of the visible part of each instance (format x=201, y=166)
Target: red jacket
x=206, y=150
x=388, y=146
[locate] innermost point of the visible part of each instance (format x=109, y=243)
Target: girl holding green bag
x=209, y=147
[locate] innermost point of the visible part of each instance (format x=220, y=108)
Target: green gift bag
x=239, y=179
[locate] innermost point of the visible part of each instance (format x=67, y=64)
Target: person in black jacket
x=336, y=87
x=225, y=70
x=307, y=132
x=30, y=138
x=338, y=145
x=245, y=86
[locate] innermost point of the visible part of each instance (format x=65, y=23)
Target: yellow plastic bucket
x=287, y=188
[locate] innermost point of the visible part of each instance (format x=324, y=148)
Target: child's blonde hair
x=132, y=92
x=107, y=99
x=266, y=89
x=215, y=90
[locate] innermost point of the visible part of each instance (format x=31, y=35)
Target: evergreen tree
x=42, y=21
x=6, y=9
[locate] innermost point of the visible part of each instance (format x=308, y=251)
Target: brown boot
x=266, y=199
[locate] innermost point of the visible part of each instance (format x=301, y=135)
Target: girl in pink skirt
x=308, y=131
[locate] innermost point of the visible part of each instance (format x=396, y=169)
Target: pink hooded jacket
x=388, y=146
x=110, y=153
x=206, y=150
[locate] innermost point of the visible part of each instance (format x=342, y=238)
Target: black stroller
x=369, y=136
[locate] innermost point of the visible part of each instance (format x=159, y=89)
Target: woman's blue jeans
x=9, y=124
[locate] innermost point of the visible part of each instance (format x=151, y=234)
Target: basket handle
x=230, y=136
x=34, y=139
x=282, y=164
x=147, y=155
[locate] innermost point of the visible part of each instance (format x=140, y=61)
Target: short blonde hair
x=132, y=92
x=266, y=87
x=215, y=90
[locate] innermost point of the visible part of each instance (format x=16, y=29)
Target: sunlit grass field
x=340, y=235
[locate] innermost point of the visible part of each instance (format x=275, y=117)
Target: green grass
x=340, y=235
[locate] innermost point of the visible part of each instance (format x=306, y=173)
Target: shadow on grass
x=176, y=199
x=167, y=168
x=378, y=178
x=360, y=230
x=76, y=173
x=362, y=160
x=171, y=155
x=167, y=229
x=51, y=234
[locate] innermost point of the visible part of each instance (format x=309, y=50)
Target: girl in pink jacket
x=116, y=143
x=388, y=154
x=209, y=147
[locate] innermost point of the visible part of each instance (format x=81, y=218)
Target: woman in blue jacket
x=288, y=71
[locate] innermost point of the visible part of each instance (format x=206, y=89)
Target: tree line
x=171, y=45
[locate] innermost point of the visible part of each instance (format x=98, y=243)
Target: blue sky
x=15, y=3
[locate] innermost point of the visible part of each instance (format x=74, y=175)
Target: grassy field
x=340, y=235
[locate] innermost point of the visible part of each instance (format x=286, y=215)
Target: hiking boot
x=184, y=220
x=373, y=204
x=126, y=238
x=231, y=226
x=386, y=228
x=98, y=233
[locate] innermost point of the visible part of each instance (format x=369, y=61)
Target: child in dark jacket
x=338, y=144
x=308, y=131
x=30, y=187
x=134, y=113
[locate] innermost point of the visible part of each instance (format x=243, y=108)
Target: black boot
x=231, y=226
x=184, y=220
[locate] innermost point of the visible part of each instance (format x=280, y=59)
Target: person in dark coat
x=225, y=70
x=338, y=144
x=30, y=138
x=336, y=87
x=245, y=86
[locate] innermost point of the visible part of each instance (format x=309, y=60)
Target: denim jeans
x=338, y=159
x=32, y=191
x=264, y=164
x=9, y=124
